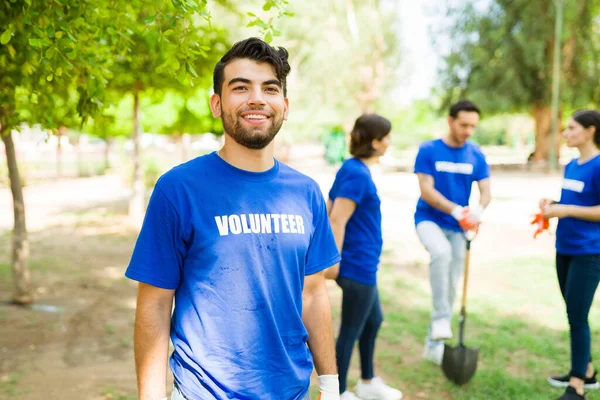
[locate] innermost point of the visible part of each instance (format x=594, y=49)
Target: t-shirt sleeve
x=482, y=170
x=159, y=252
x=322, y=250
x=353, y=188
x=424, y=162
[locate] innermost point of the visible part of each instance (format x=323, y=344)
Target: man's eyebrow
x=272, y=82
x=248, y=81
x=236, y=80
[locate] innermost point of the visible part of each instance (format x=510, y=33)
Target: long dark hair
x=366, y=128
x=587, y=118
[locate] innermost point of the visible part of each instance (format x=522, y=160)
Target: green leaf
x=288, y=14
x=168, y=32
x=11, y=51
x=50, y=53
x=268, y=37
x=59, y=34
x=267, y=6
x=252, y=23
x=5, y=37
x=149, y=20
x=181, y=75
x=59, y=71
x=50, y=77
x=35, y=42
x=251, y=14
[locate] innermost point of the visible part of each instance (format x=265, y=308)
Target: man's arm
x=432, y=196
x=316, y=315
x=151, y=340
x=485, y=192
x=339, y=214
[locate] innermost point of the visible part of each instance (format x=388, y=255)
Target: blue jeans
x=578, y=277
x=361, y=319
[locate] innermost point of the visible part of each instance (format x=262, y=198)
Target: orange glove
x=542, y=224
x=466, y=220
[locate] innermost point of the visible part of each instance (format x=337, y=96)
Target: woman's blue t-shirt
x=581, y=187
x=362, y=240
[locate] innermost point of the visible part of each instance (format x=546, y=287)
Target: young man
x=240, y=241
x=446, y=169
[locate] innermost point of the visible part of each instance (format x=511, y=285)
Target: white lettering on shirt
x=573, y=185
x=237, y=224
x=454, y=168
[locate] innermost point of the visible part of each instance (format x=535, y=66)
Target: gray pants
x=447, y=251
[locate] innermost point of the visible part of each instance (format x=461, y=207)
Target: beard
x=252, y=138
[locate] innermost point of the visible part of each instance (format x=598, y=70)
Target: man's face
x=252, y=105
x=463, y=126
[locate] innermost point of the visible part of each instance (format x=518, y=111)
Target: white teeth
x=255, y=116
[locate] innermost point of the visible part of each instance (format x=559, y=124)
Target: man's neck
x=247, y=159
x=451, y=142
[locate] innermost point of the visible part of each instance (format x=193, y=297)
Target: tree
x=501, y=58
x=347, y=52
x=46, y=47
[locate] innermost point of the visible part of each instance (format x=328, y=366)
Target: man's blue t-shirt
x=362, y=240
x=581, y=187
x=235, y=246
x=454, y=169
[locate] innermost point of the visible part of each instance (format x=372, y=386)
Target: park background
x=99, y=98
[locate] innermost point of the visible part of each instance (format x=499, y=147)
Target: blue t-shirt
x=362, y=240
x=235, y=245
x=581, y=187
x=454, y=169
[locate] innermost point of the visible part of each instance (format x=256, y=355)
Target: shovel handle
x=463, y=308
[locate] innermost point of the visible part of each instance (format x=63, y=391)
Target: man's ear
x=286, y=109
x=215, y=105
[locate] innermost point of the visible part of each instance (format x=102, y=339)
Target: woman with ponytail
x=355, y=216
x=578, y=247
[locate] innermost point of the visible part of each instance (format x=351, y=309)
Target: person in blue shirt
x=240, y=242
x=578, y=246
x=355, y=215
x=446, y=169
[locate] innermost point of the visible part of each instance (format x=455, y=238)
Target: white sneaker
x=434, y=352
x=441, y=329
x=377, y=390
x=348, y=395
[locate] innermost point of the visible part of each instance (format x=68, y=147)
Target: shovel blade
x=459, y=363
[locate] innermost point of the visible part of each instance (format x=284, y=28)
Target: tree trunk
x=107, y=149
x=542, y=115
x=22, y=292
x=136, y=202
x=186, y=142
x=58, y=156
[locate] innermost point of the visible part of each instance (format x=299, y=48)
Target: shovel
x=460, y=362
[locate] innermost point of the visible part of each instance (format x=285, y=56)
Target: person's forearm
x=151, y=347
x=485, y=198
x=437, y=200
x=316, y=315
x=585, y=213
x=338, y=228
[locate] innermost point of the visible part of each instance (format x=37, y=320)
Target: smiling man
x=240, y=241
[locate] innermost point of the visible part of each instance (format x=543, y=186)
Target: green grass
x=8, y=386
x=519, y=346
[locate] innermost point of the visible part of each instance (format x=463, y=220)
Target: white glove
x=458, y=213
x=329, y=386
x=477, y=212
